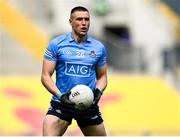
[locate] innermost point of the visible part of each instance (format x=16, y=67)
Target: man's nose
x=83, y=22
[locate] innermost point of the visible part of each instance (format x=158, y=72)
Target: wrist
x=99, y=90
x=59, y=95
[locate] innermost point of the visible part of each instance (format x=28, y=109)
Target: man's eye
x=79, y=19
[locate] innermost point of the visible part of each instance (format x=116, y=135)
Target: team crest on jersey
x=92, y=54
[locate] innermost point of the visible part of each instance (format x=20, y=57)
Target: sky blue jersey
x=75, y=62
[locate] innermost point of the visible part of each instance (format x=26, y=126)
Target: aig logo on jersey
x=76, y=69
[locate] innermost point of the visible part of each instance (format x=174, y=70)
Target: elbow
x=106, y=83
x=42, y=79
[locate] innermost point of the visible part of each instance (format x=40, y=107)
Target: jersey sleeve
x=51, y=52
x=103, y=59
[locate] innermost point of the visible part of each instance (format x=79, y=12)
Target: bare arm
x=101, y=77
x=47, y=71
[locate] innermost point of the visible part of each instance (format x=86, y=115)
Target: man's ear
x=70, y=21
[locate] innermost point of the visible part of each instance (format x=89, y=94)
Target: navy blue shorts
x=90, y=116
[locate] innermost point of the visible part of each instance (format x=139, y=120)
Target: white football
x=82, y=96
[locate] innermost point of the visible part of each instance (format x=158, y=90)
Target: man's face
x=80, y=21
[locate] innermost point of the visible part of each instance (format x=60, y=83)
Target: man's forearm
x=101, y=83
x=49, y=85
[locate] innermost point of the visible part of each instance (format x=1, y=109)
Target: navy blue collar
x=71, y=38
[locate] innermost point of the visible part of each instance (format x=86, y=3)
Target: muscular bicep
x=48, y=67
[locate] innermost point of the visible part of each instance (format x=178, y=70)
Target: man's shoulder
x=96, y=41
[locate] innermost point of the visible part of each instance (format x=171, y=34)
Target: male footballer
x=77, y=58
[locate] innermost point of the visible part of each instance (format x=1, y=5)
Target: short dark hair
x=78, y=8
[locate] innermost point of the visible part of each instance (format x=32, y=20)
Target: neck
x=82, y=39
x=79, y=38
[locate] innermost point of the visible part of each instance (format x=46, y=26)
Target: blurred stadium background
x=143, y=42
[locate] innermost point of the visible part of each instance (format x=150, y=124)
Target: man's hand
x=97, y=95
x=65, y=99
